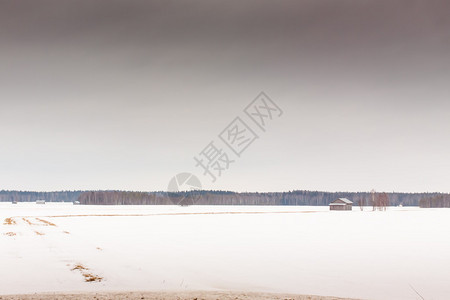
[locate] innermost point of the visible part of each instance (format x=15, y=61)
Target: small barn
x=341, y=204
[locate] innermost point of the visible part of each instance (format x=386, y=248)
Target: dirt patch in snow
x=88, y=276
x=79, y=267
x=10, y=221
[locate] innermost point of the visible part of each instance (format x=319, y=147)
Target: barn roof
x=345, y=200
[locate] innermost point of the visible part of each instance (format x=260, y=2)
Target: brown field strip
x=27, y=221
x=47, y=223
x=184, y=214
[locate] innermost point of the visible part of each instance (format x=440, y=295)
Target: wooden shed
x=341, y=204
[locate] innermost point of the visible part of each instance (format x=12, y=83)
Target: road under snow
x=305, y=250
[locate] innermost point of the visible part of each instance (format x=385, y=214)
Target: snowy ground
x=303, y=250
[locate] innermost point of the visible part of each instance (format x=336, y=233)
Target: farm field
x=60, y=247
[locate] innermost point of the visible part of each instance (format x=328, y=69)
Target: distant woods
x=314, y=198
x=442, y=200
x=21, y=196
x=123, y=198
x=379, y=201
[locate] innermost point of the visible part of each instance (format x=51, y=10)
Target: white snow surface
x=304, y=250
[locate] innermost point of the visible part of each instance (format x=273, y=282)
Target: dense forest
x=224, y=198
x=442, y=200
x=124, y=198
x=232, y=198
x=22, y=196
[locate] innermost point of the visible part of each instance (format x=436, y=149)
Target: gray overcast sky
x=123, y=94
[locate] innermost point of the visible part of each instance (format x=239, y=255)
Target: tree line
x=442, y=200
x=298, y=197
x=25, y=196
x=313, y=198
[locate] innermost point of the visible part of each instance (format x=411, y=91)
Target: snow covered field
x=305, y=250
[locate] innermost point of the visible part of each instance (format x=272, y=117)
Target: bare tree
x=384, y=199
x=379, y=201
x=361, y=202
x=374, y=204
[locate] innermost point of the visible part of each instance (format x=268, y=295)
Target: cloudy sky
x=123, y=94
